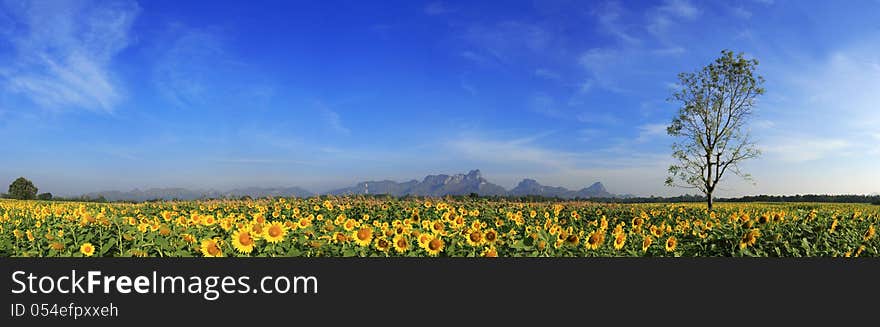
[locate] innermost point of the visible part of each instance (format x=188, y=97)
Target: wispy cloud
x=507, y=40
x=679, y=8
x=650, y=132
x=547, y=74
x=184, y=72
x=333, y=120
x=64, y=52
x=259, y=161
x=741, y=12
x=803, y=148
x=609, y=17
x=437, y=8
x=668, y=14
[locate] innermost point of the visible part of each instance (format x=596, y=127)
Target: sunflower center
x=383, y=243
x=213, y=249
x=401, y=243
x=435, y=244
x=245, y=239
x=476, y=237
x=275, y=231
x=363, y=234
x=490, y=236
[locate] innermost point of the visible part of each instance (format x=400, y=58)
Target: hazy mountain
x=259, y=192
x=472, y=182
x=431, y=185
x=532, y=187
x=186, y=194
x=377, y=187
x=597, y=190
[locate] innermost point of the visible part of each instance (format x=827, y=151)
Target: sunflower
x=424, y=238
x=646, y=243
x=363, y=236
x=435, y=245
x=256, y=230
x=475, y=237
x=859, y=250
x=400, y=243
x=749, y=238
x=763, y=219
x=304, y=222
x=57, y=246
x=656, y=231
x=189, y=238
x=350, y=224
x=573, y=239
x=211, y=248
x=490, y=252
x=382, y=244
x=242, y=241
x=275, y=232
x=671, y=243
x=870, y=233
x=87, y=249
x=833, y=226
x=339, y=238
x=619, y=241
x=595, y=240
x=438, y=227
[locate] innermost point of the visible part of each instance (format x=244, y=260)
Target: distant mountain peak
x=431, y=185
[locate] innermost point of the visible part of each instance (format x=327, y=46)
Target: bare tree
x=716, y=103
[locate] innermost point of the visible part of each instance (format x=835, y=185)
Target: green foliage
x=716, y=104
x=44, y=196
x=22, y=189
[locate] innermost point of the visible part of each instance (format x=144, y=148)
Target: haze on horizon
x=116, y=95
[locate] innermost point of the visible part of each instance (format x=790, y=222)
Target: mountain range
x=431, y=185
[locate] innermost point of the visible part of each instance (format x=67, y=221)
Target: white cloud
x=64, y=52
x=650, y=132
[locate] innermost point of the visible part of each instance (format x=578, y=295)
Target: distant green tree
x=44, y=196
x=22, y=189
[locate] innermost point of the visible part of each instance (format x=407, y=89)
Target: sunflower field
x=371, y=227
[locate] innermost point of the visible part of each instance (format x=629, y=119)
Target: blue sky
x=213, y=94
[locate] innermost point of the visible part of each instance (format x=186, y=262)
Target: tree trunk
x=709, y=200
